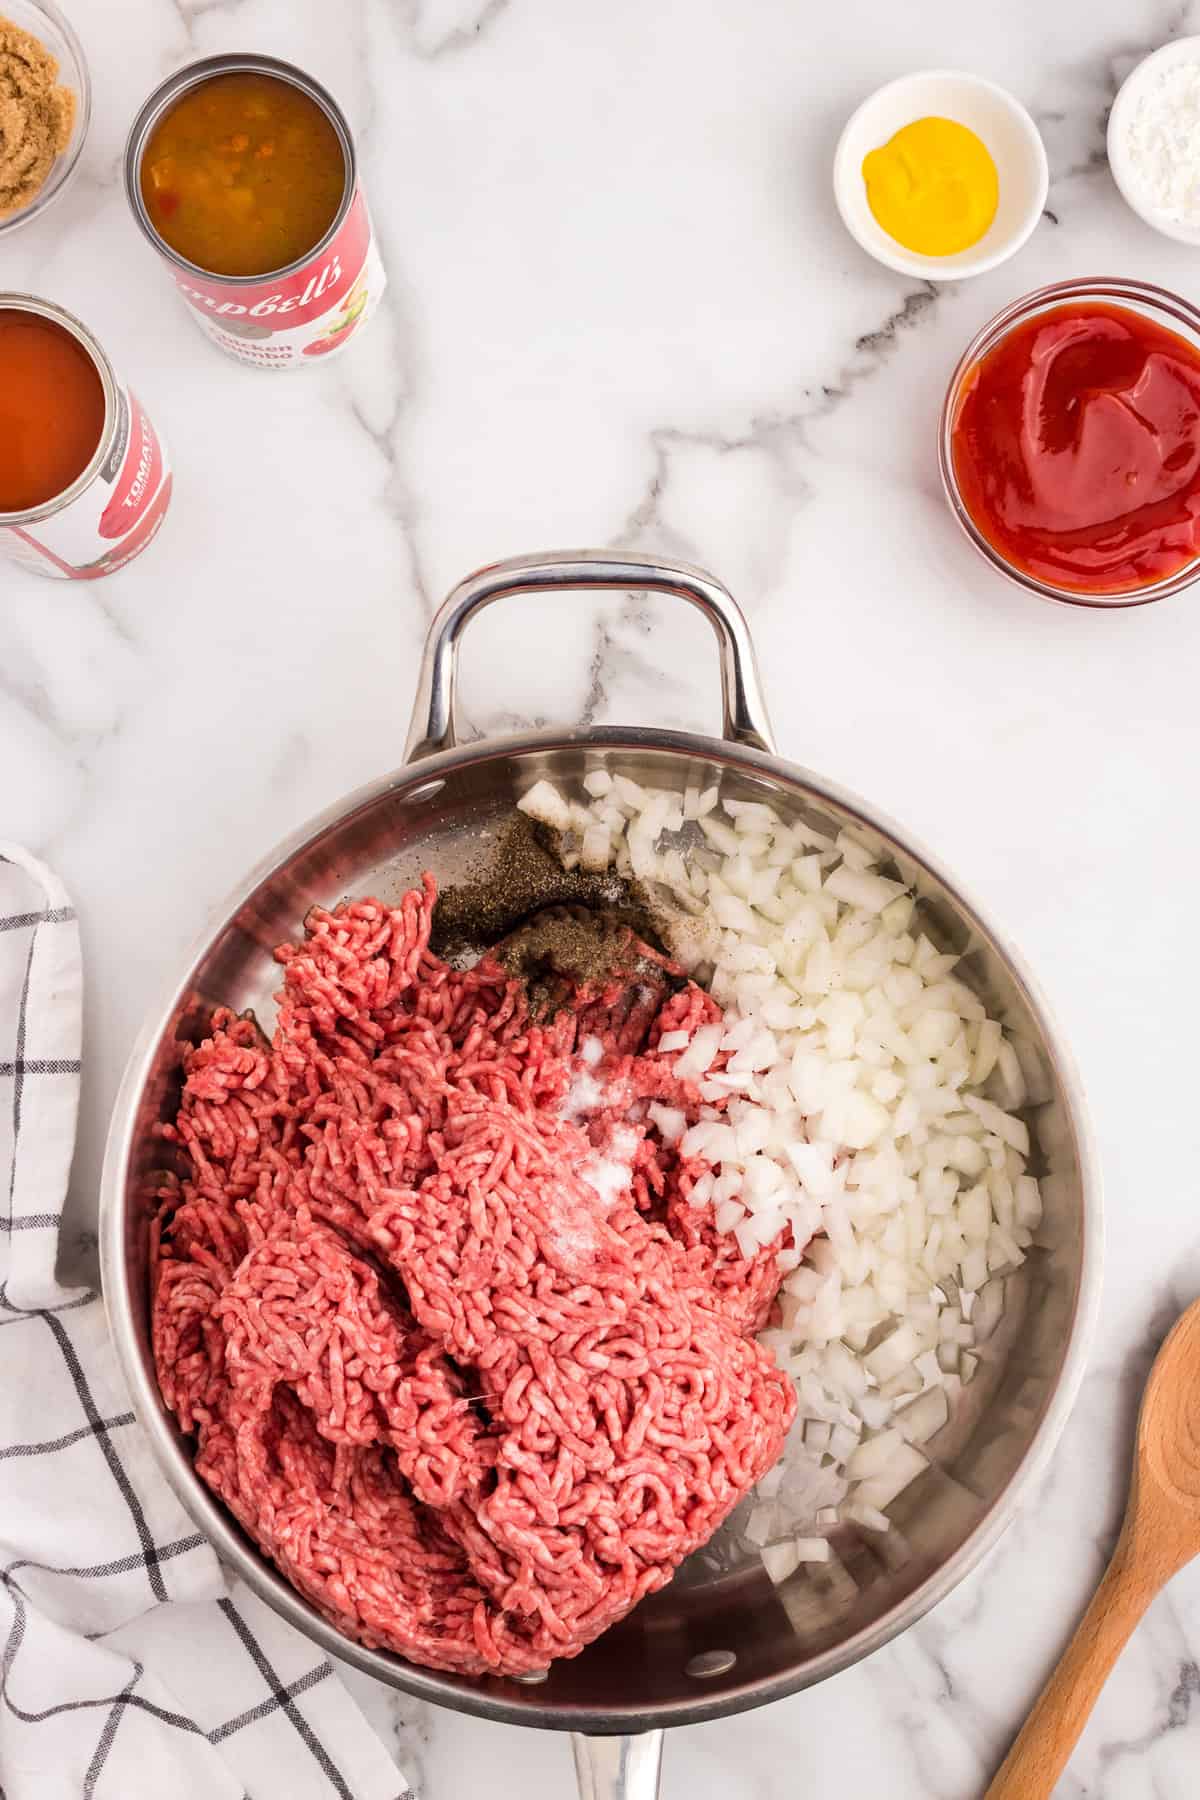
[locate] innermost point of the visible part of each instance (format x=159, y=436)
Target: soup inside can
x=243, y=174
x=52, y=409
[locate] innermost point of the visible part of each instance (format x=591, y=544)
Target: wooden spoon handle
x=1049, y=1734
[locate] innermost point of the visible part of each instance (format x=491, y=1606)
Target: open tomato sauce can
x=114, y=506
x=290, y=316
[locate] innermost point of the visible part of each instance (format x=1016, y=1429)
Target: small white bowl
x=1011, y=138
x=1130, y=92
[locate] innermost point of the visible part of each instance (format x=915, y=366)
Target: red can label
x=115, y=516
x=311, y=312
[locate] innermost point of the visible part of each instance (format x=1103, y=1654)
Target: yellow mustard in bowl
x=933, y=187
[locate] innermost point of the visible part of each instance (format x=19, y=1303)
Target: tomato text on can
x=292, y=316
x=115, y=506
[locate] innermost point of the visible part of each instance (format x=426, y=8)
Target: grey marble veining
x=623, y=311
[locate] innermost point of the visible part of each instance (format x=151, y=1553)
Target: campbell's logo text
x=273, y=305
x=286, y=306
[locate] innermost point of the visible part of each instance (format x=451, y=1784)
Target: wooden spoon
x=1160, y=1534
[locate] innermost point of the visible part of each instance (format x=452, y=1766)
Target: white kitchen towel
x=133, y=1666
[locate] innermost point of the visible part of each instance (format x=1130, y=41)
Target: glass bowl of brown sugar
x=45, y=107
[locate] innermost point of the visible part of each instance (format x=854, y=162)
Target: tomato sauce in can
x=102, y=447
x=286, y=317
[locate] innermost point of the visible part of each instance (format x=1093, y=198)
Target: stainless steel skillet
x=721, y=1638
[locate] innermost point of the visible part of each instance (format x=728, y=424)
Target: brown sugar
x=37, y=117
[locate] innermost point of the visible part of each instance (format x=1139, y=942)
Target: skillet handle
x=618, y=1768
x=745, y=719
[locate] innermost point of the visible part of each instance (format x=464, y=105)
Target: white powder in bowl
x=1161, y=140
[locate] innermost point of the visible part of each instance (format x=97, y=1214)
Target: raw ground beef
x=472, y=1403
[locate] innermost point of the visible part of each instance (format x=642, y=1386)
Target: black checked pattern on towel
x=60, y=915
x=281, y=1698
x=63, y=1324
x=21, y=1068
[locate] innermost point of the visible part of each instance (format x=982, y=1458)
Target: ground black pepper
x=551, y=927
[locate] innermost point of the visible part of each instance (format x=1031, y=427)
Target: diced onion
x=903, y=1467
x=924, y=1417
x=869, y=1517
x=860, y=1113
x=544, y=803
x=813, y=1550
x=781, y=1560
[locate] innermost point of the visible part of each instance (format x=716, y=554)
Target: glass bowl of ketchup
x=1070, y=442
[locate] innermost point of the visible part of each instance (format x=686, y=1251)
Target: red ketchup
x=1076, y=448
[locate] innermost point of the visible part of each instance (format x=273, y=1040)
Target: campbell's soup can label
x=293, y=317
x=114, y=508
x=311, y=312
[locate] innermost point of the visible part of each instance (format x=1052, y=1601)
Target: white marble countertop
x=623, y=312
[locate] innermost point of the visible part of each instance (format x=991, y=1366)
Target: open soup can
x=85, y=481
x=235, y=161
